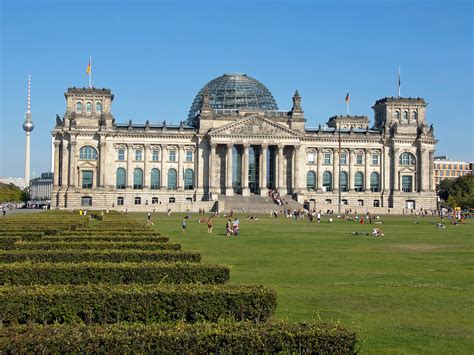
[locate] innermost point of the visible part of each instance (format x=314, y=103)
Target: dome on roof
x=234, y=91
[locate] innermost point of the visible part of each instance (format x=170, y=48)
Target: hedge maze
x=106, y=284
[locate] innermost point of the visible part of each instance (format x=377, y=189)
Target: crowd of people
x=275, y=195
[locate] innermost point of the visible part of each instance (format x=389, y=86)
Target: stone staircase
x=254, y=203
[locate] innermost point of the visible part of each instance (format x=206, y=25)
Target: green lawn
x=411, y=291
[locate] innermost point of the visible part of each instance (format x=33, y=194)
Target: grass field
x=411, y=291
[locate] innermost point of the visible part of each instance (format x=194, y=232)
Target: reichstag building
x=235, y=142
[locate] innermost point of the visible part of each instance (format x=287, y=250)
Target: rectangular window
x=86, y=201
x=327, y=158
x=172, y=155
x=138, y=154
x=87, y=179
x=343, y=158
x=138, y=200
x=406, y=183
x=189, y=155
x=359, y=159
x=155, y=155
x=311, y=157
x=375, y=159
x=121, y=154
x=119, y=201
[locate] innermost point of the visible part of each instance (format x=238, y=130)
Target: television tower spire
x=28, y=126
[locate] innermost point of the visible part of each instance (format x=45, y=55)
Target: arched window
x=88, y=107
x=88, y=153
x=414, y=116
x=396, y=115
x=407, y=159
x=327, y=181
x=374, y=182
x=121, y=179
x=343, y=181
x=311, y=181
x=155, y=179
x=79, y=107
x=188, y=179
x=359, y=181
x=138, y=179
x=98, y=106
x=405, y=115
x=172, y=179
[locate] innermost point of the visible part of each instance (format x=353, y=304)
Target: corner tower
x=399, y=111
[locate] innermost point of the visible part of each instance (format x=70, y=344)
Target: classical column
x=319, y=181
x=56, y=163
x=72, y=163
x=280, y=170
x=431, y=168
x=102, y=159
x=212, y=168
x=146, y=167
x=180, y=168
x=385, y=170
x=245, y=171
x=229, y=191
x=425, y=170
x=351, y=170
x=129, y=182
x=296, y=169
x=335, y=170
x=64, y=167
x=366, y=169
x=263, y=171
x=164, y=172
x=397, y=186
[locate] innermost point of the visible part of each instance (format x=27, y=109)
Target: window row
x=155, y=179
x=375, y=203
x=87, y=201
x=155, y=155
x=344, y=181
x=344, y=159
x=404, y=114
x=80, y=108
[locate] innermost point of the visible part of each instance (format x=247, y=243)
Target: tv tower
x=28, y=126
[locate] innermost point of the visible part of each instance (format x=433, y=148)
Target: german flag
x=347, y=98
x=88, y=70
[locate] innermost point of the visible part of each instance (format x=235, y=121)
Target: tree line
x=457, y=192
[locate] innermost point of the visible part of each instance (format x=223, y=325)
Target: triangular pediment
x=254, y=126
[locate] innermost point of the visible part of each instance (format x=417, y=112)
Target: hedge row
x=106, y=255
x=97, y=245
x=134, y=303
x=105, y=238
x=181, y=338
x=112, y=273
x=109, y=232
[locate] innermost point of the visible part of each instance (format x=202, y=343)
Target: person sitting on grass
x=376, y=232
x=440, y=226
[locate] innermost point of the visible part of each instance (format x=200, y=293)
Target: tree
x=458, y=192
x=10, y=193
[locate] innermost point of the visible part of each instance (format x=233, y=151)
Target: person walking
x=4, y=209
x=183, y=225
x=209, y=225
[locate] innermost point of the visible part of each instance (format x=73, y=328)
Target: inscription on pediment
x=255, y=127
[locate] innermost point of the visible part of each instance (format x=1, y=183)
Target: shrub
x=112, y=273
x=180, y=338
x=134, y=303
x=97, y=245
x=110, y=255
x=105, y=238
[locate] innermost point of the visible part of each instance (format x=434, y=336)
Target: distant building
x=41, y=187
x=445, y=168
x=20, y=182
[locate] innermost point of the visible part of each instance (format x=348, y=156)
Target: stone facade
x=103, y=164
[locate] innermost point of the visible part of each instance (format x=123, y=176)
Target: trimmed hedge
x=199, y=338
x=97, y=245
x=112, y=273
x=90, y=255
x=134, y=303
x=105, y=238
x=108, y=232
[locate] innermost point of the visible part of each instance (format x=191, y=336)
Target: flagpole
x=90, y=72
x=399, y=82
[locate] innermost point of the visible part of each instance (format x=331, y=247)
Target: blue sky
x=155, y=56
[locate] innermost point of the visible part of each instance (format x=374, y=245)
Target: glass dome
x=234, y=91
